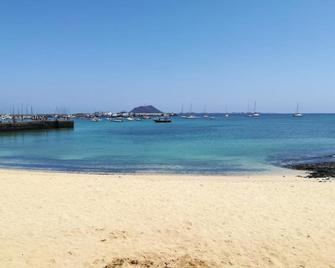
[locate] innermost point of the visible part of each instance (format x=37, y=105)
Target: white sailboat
x=297, y=113
x=191, y=116
x=226, y=112
x=249, y=113
x=255, y=114
x=182, y=112
x=205, y=115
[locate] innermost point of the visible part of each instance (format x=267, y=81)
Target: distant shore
x=51, y=219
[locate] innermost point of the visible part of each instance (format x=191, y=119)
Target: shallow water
x=220, y=145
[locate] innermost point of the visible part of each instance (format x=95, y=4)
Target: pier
x=36, y=125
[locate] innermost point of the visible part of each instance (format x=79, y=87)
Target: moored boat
x=117, y=120
x=255, y=114
x=297, y=113
x=163, y=120
x=96, y=119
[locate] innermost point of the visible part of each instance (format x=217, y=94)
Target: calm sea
x=220, y=145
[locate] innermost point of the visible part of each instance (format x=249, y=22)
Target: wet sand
x=88, y=220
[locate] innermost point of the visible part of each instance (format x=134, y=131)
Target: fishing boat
x=297, y=113
x=163, y=120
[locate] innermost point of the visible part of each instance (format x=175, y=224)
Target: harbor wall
x=36, y=125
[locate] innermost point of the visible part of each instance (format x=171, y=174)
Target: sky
x=113, y=55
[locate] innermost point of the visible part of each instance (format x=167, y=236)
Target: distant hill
x=149, y=109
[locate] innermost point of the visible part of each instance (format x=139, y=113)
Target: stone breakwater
x=36, y=125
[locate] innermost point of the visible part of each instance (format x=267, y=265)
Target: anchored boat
x=297, y=113
x=163, y=120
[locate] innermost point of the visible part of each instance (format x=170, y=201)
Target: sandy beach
x=89, y=220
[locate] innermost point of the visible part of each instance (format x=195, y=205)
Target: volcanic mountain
x=149, y=109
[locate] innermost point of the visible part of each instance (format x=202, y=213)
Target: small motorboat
x=163, y=120
x=117, y=120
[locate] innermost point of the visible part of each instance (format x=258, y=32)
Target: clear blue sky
x=116, y=54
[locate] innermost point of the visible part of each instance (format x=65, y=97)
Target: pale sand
x=79, y=220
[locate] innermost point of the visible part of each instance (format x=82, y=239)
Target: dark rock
x=324, y=170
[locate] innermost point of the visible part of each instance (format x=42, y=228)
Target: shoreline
x=275, y=170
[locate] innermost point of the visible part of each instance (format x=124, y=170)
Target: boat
x=226, y=113
x=191, y=116
x=96, y=119
x=163, y=120
x=297, y=113
x=130, y=119
x=205, y=113
x=255, y=114
x=182, y=112
x=248, y=113
x=117, y=120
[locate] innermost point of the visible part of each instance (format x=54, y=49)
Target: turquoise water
x=220, y=145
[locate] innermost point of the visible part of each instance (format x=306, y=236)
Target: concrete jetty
x=36, y=125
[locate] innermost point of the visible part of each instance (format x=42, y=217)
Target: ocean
x=237, y=144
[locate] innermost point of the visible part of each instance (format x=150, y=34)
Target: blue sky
x=114, y=55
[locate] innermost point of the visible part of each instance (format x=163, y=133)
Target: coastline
x=271, y=170
x=57, y=219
